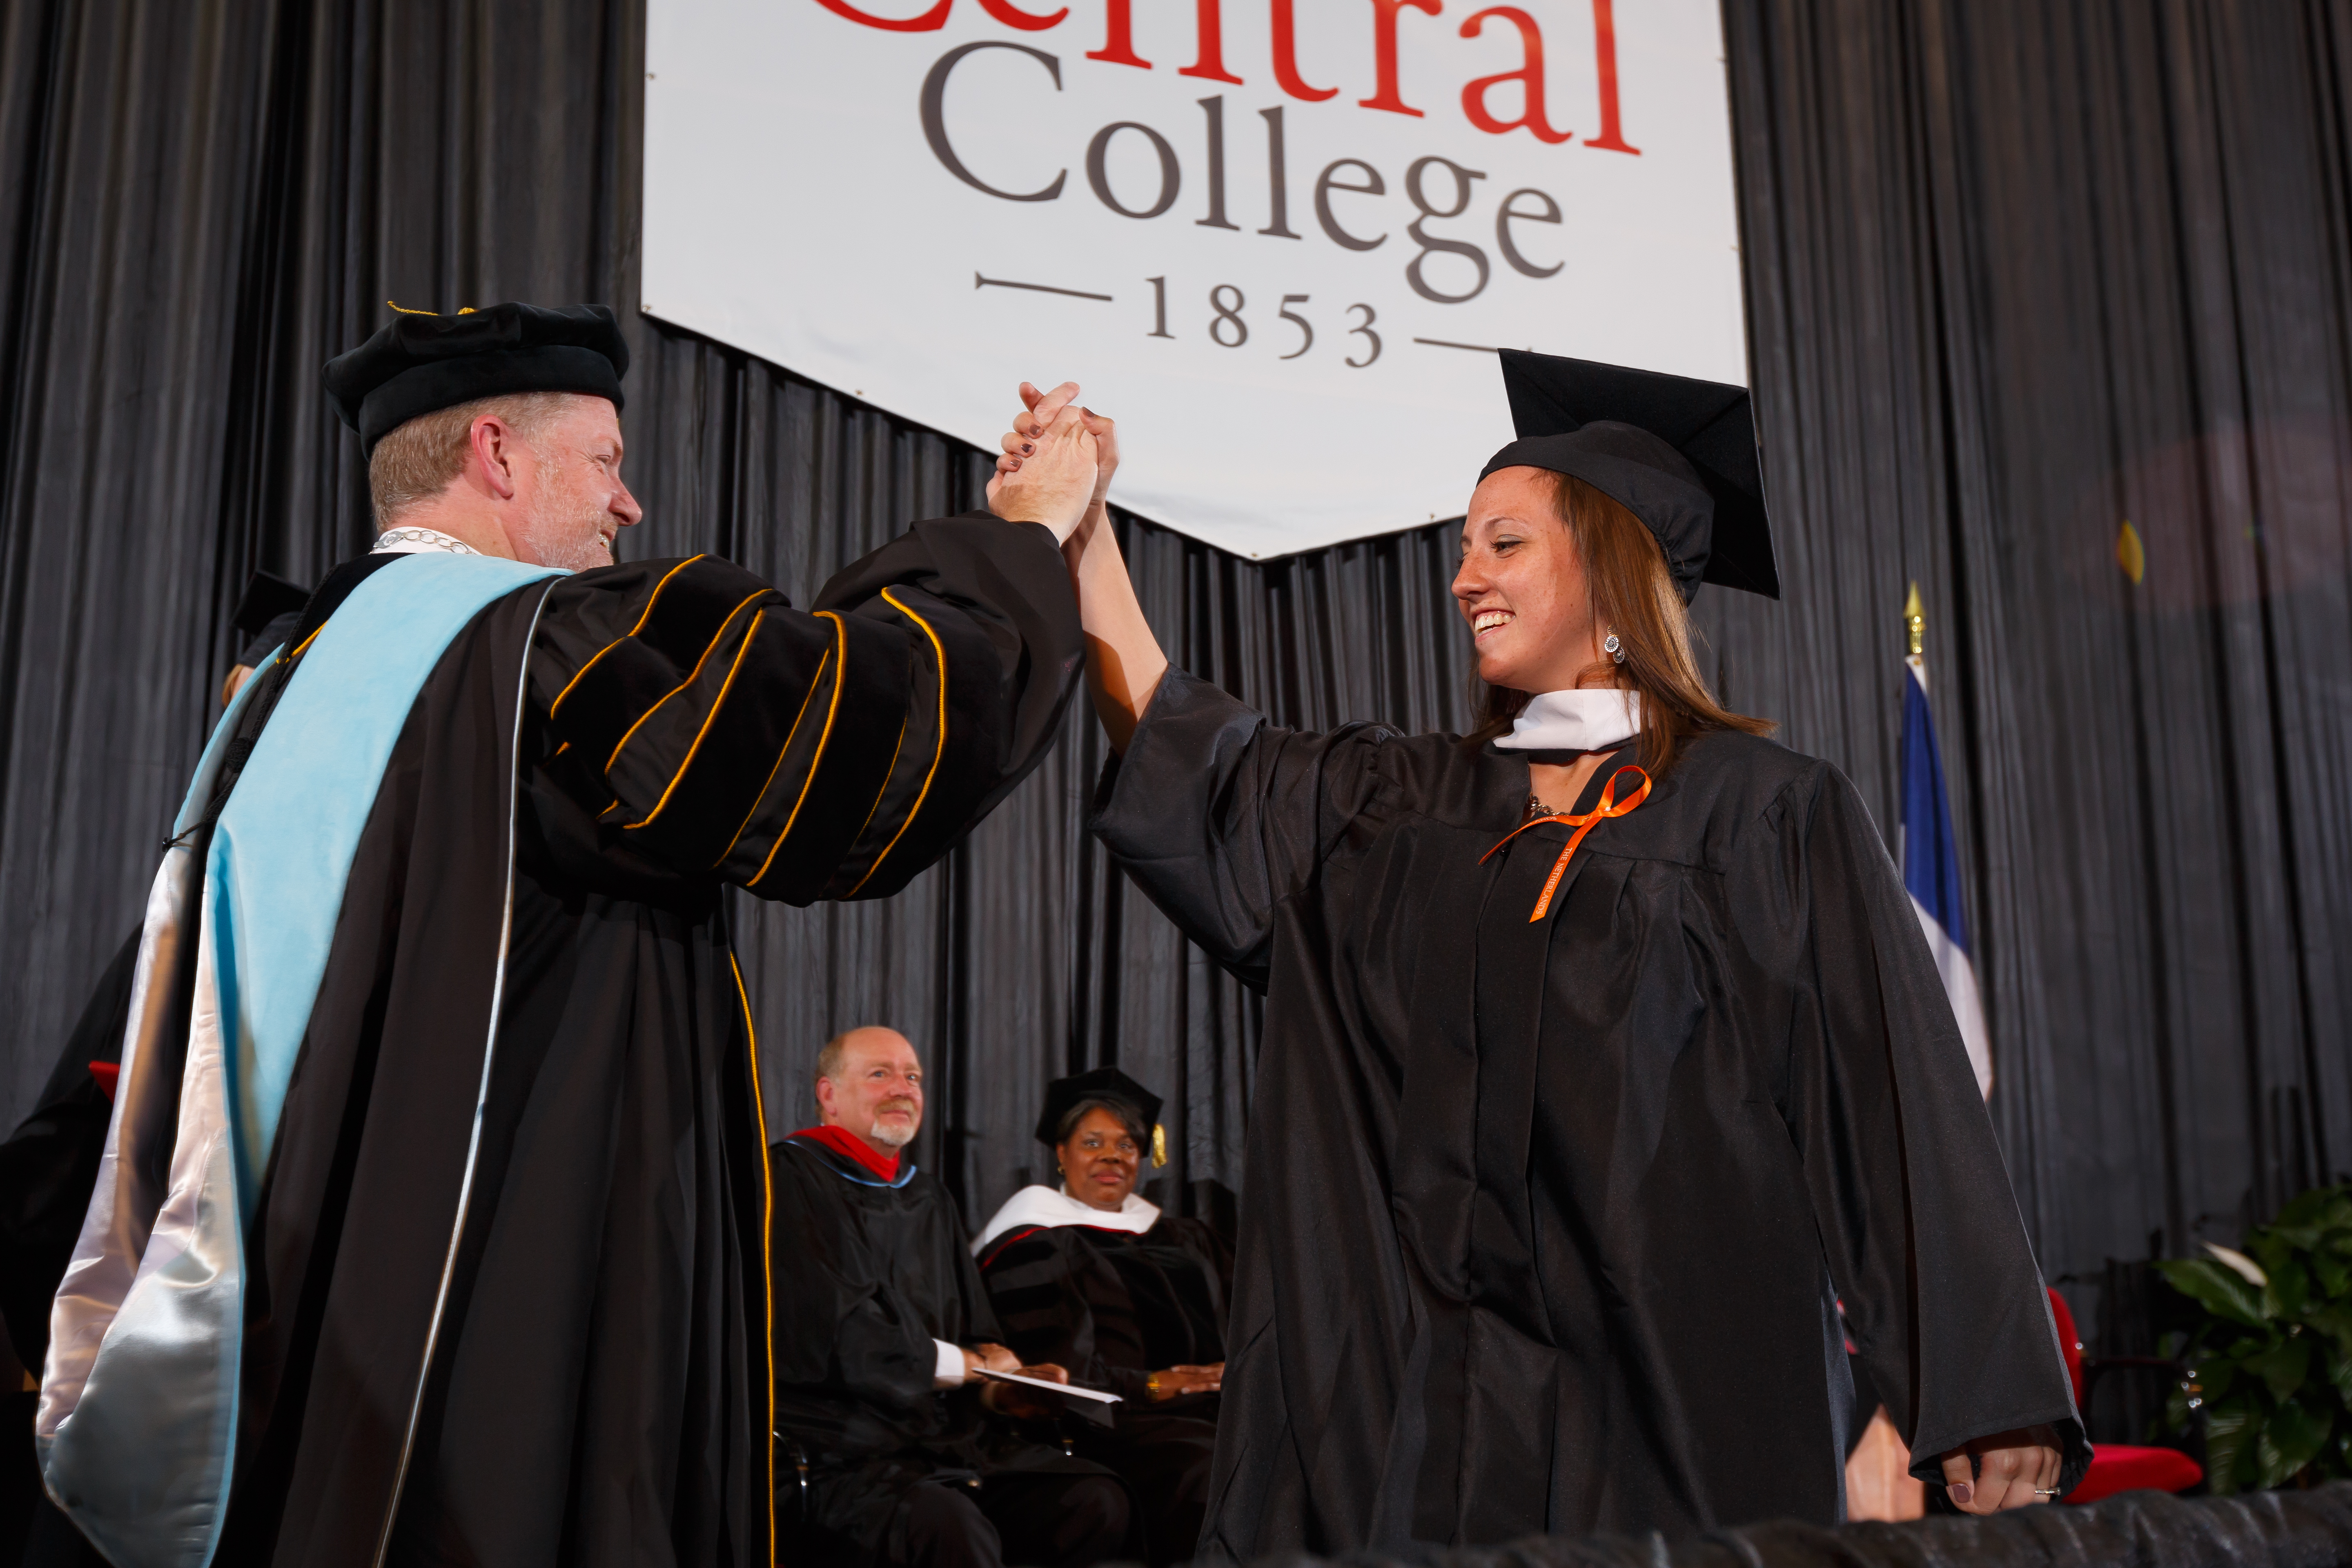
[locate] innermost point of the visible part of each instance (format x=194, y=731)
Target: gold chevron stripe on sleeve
x=782, y=752
x=938, y=749
x=833, y=710
x=692, y=675
x=619, y=640
x=708, y=720
x=887, y=774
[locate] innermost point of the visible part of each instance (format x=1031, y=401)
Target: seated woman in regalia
x=1089, y=1276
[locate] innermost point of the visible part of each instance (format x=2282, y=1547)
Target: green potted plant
x=2269, y=1356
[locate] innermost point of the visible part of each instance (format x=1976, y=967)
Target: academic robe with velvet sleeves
x=1545, y=1221
x=1113, y=1307
x=505, y=1264
x=881, y=1275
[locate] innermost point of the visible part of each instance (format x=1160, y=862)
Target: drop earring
x=1613, y=649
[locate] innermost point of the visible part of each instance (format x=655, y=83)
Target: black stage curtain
x=2019, y=272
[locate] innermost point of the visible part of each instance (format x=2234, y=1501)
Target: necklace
x=1537, y=808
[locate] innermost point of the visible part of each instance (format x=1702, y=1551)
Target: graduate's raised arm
x=714, y=730
x=1124, y=661
x=1217, y=814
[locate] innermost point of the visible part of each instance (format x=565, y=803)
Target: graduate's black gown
x=598, y=1391
x=1544, y=1224
x=1113, y=1307
x=879, y=1272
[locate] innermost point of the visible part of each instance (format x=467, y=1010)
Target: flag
x=1931, y=857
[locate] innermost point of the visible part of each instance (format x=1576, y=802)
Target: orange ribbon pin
x=1610, y=806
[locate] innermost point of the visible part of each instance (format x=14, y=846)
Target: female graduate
x=1134, y=1299
x=1603, y=1055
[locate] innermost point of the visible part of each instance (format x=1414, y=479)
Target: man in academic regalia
x=431, y=1224
x=883, y=1332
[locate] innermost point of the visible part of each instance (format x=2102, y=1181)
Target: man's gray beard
x=566, y=532
x=889, y=1137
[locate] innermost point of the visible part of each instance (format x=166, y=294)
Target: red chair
x=2119, y=1466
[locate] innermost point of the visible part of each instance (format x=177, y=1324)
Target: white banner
x=1276, y=238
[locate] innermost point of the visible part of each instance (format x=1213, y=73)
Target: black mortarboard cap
x=1063, y=1094
x=422, y=362
x=1679, y=454
x=266, y=613
x=273, y=634
x=268, y=596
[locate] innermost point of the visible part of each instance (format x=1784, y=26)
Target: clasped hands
x=1057, y=464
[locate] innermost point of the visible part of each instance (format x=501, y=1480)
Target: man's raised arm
x=827, y=754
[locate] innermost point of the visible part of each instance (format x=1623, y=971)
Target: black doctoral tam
x=422, y=363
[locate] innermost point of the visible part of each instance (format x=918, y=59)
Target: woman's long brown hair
x=1633, y=596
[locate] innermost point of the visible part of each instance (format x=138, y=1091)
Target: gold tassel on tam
x=2130, y=554
x=1159, y=1145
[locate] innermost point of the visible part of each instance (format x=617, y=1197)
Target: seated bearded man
x=893, y=1450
